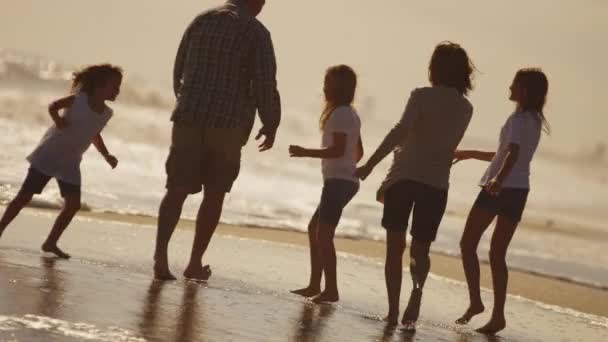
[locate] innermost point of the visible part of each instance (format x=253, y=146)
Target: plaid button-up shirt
x=225, y=69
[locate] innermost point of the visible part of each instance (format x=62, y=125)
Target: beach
x=106, y=292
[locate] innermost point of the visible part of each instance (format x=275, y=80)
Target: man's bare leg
x=168, y=215
x=206, y=222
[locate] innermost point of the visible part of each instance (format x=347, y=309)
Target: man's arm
x=180, y=60
x=265, y=90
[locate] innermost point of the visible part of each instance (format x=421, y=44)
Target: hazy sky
x=388, y=42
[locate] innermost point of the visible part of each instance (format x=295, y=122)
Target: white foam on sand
x=51, y=326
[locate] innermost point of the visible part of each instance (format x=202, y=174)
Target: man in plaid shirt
x=225, y=70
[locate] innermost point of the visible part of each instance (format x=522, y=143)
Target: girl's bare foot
x=198, y=273
x=493, y=326
x=52, y=248
x=392, y=319
x=410, y=316
x=307, y=292
x=163, y=274
x=326, y=297
x=472, y=311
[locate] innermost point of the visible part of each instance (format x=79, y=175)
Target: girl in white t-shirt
x=340, y=151
x=505, y=186
x=59, y=153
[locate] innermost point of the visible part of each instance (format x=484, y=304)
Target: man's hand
x=297, y=151
x=363, y=171
x=268, y=140
x=111, y=160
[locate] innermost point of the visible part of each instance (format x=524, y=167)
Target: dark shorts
x=335, y=196
x=510, y=202
x=427, y=203
x=204, y=157
x=36, y=181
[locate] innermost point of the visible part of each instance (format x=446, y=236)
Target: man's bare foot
x=51, y=248
x=163, y=274
x=307, y=292
x=198, y=273
x=410, y=316
x=326, y=297
x=472, y=311
x=493, y=326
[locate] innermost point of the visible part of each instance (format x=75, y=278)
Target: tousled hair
x=91, y=77
x=450, y=66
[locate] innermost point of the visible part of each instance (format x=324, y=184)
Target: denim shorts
x=335, y=196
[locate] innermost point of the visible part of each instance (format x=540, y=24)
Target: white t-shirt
x=523, y=129
x=345, y=120
x=60, y=151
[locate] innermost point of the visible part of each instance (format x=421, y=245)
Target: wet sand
x=540, y=288
x=105, y=292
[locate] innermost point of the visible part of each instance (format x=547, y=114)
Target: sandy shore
x=106, y=292
x=539, y=288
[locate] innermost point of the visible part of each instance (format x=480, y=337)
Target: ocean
x=563, y=235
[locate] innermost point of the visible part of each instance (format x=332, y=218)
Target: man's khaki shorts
x=204, y=157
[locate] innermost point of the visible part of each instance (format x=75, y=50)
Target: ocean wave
x=40, y=74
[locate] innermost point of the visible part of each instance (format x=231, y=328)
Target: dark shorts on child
x=335, y=196
x=510, y=202
x=36, y=181
x=428, y=204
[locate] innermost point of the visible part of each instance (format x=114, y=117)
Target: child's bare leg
x=328, y=254
x=503, y=233
x=14, y=207
x=70, y=208
x=316, y=268
x=477, y=223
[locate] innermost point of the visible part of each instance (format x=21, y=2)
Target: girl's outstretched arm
x=336, y=150
x=56, y=106
x=460, y=155
x=101, y=147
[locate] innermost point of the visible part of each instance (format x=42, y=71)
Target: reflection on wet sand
x=158, y=321
x=312, y=321
x=52, y=288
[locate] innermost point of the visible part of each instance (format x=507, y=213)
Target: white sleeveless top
x=60, y=151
